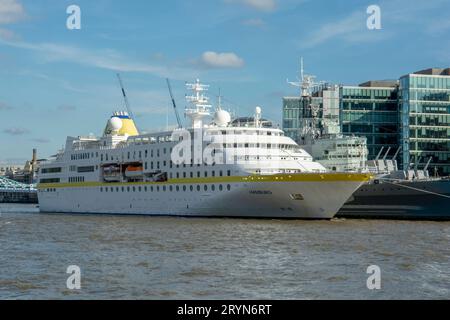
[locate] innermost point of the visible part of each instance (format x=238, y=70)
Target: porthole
x=220, y=187
x=191, y=187
x=205, y=187
x=184, y=188
x=228, y=187
x=213, y=187
x=198, y=187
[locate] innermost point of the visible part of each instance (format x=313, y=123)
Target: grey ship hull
x=400, y=201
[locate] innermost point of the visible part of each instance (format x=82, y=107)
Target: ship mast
x=199, y=103
x=309, y=112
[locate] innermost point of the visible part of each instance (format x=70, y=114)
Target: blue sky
x=56, y=82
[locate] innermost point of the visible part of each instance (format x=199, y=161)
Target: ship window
x=140, y=189
x=145, y=166
x=184, y=174
x=101, y=189
x=164, y=188
x=157, y=188
x=213, y=173
x=164, y=163
x=151, y=188
x=140, y=154
x=220, y=173
x=198, y=187
x=191, y=174
x=178, y=175
x=157, y=165
x=228, y=172
x=165, y=150
x=205, y=187
x=206, y=174
x=177, y=188
x=123, y=189
x=101, y=157
x=184, y=188
x=191, y=188
x=117, y=189
x=213, y=187
x=157, y=153
x=151, y=153
x=128, y=189
x=228, y=187
x=106, y=189
x=198, y=174
x=220, y=187
x=171, y=188
x=134, y=189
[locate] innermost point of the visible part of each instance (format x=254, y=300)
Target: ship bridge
x=8, y=185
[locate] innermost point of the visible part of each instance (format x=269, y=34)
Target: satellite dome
x=115, y=124
x=258, y=110
x=222, y=118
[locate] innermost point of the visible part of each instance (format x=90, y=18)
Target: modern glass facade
x=412, y=113
x=424, y=101
x=371, y=112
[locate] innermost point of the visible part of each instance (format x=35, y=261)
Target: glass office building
x=412, y=113
x=371, y=110
x=424, y=102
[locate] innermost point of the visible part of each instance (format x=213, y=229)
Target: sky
x=57, y=82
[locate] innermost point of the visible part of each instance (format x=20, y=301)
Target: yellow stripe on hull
x=299, y=177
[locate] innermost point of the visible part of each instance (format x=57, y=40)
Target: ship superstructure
x=242, y=167
x=319, y=131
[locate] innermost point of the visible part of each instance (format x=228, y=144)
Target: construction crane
x=125, y=98
x=174, y=104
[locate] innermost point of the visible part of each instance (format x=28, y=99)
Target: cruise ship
x=218, y=166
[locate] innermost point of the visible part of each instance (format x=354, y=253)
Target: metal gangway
x=8, y=185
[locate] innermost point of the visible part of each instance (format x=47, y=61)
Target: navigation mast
x=199, y=103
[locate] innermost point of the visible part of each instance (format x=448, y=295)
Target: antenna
x=174, y=104
x=301, y=69
x=219, y=101
x=125, y=98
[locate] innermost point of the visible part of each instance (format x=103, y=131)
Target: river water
x=135, y=257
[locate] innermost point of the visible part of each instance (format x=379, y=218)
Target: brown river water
x=136, y=257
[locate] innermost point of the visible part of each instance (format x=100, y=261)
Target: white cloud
x=101, y=58
x=261, y=5
x=16, y=131
x=213, y=59
x=11, y=11
x=4, y=106
x=395, y=13
x=254, y=22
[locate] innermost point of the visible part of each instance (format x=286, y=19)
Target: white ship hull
x=308, y=196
